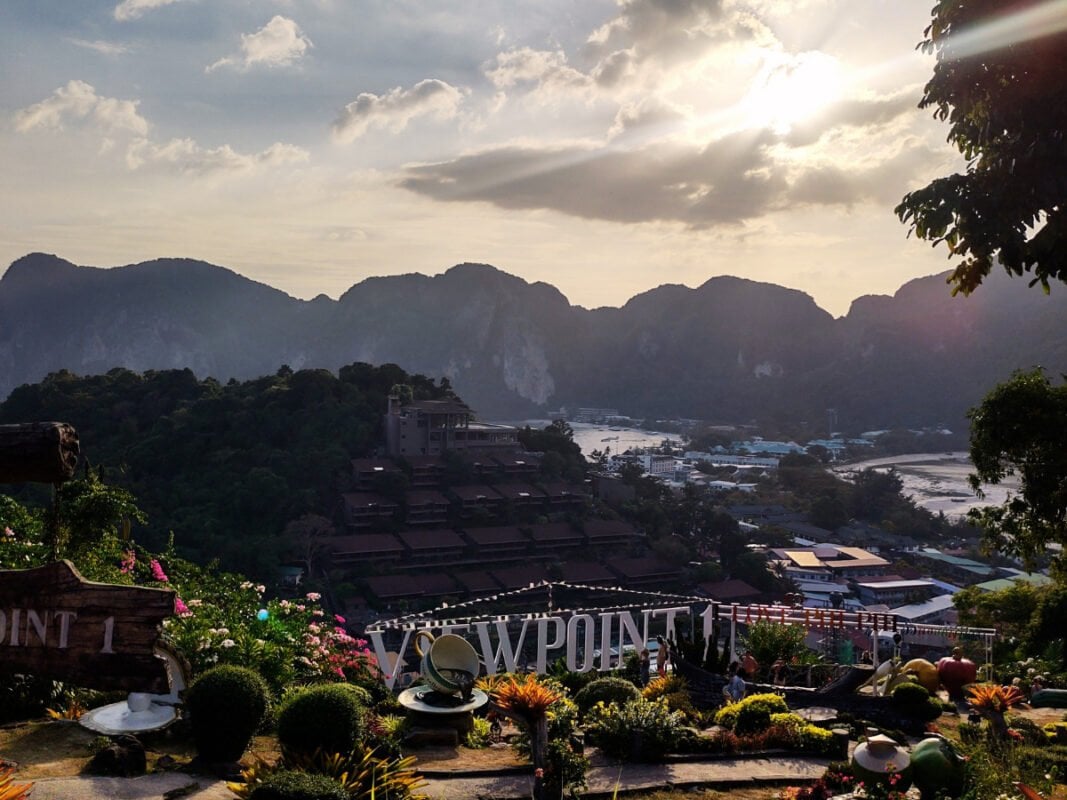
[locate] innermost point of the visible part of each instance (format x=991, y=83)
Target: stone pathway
x=604, y=780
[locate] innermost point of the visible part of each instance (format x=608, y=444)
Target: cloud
x=735, y=178
x=883, y=180
x=187, y=157
x=853, y=112
x=78, y=101
x=110, y=117
x=100, y=46
x=132, y=9
x=543, y=68
x=279, y=43
x=395, y=109
x=724, y=183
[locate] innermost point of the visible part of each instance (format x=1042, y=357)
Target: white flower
x=228, y=643
x=261, y=588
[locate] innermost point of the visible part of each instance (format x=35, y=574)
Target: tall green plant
x=769, y=641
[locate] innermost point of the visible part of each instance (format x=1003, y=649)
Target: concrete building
x=432, y=427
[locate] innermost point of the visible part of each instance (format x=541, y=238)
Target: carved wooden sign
x=56, y=624
x=39, y=452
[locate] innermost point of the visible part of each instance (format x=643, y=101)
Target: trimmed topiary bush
x=752, y=714
x=226, y=706
x=293, y=785
x=607, y=691
x=330, y=717
x=912, y=700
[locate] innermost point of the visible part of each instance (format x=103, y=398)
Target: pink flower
x=8, y=532
x=128, y=562
x=157, y=571
x=180, y=608
x=314, y=596
x=339, y=619
x=539, y=773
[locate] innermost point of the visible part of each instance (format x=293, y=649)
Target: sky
x=606, y=147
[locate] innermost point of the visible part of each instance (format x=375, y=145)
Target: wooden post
x=38, y=452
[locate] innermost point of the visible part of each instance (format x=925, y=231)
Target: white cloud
x=396, y=108
x=78, y=101
x=279, y=43
x=188, y=157
x=112, y=118
x=100, y=46
x=540, y=67
x=131, y=9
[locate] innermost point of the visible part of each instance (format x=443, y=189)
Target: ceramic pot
x=876, y=759
x=449, y=665
x=937, y=768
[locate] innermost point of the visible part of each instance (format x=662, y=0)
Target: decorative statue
x=955, y=672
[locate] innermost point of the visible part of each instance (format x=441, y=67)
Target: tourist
x=749, y=665
x=662, y=656
x=644, y=664
x=735, y=687
x=778, y=672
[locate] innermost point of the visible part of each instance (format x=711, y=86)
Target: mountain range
x=730, y=350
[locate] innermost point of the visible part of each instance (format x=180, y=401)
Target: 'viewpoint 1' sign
x=56, y=624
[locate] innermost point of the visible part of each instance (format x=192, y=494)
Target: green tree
x=1006, y=104
x=1021, y=428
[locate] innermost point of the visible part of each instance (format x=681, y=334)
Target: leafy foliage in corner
x=223, y=466
x=1007, y=110
x=1019, y=429
x=9, y=790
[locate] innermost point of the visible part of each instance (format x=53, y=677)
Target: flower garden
x=289, y=668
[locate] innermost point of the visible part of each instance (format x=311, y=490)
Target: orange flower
x=990, y=697
x=528, y=699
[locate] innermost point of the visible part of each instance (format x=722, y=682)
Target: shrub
x=673, y=689
x=912, y=700
x=769, y=641
x=1040, y=760
x=362, y=774
x=752, y=714
x=607, y=691
x=226, y=706
x=292, y=785
x=909, y=694
x=814, y=739
x=477, y=737
x=1030, y=731
x=788, y=720
x=1056, y=732
x=329, y=717
x=641, y=730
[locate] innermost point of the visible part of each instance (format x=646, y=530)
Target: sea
x=934, y=481
x=938, y=481
x=592, y=437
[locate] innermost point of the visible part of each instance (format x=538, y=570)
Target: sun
x=790, y=89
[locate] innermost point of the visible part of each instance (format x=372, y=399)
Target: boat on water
x=610, y=439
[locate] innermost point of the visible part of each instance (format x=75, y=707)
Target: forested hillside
x=223, y=466
x=730, y=350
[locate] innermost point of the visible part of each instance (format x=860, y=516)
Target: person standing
x=644, y=666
